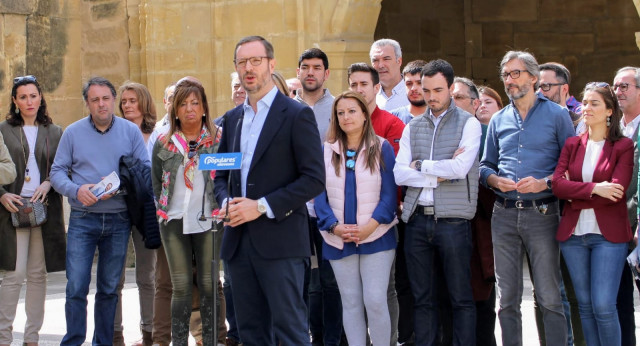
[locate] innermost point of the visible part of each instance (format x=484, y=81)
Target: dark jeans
x=403, y=290
x=180, y=250
x=625, y=307
x=325, y=305
x=450, y=239
x=109, y=233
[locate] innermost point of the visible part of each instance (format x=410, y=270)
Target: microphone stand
x=215, y=271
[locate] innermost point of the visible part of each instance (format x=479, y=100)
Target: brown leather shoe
x=118, y=338
x=147, y=340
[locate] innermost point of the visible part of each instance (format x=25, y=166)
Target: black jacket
x=135, y=177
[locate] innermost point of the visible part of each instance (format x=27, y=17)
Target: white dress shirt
x=431, y=170
x=397, y=99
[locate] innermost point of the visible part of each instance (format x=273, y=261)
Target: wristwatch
x=419, y=165
x=262, y=207
x=548, y=181
x=332, y=227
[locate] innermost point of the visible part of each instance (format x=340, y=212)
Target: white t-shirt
x=29, y=187
x=587, y=222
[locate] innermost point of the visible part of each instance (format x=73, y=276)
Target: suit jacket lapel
x=270, y=128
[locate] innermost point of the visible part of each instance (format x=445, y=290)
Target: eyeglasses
x=547, y=86
x=255, y=61
x=624, y=86
x=351, y=162
x=459, y=97
x=28, y=79
x=515, y=74
x=193, y=145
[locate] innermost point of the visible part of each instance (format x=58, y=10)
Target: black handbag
x=30, y=214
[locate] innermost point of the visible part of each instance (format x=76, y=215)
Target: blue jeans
x=595, y=265
x=325, y=305
x=109, y=233
x=450, y=239
x=514, y=231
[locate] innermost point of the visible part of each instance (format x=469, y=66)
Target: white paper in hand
x=109, y=184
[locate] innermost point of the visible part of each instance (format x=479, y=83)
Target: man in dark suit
x=266, y=242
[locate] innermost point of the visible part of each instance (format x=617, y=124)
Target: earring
x=177, y=118
x=608, y=121
x=17, y=110
x=203, y=115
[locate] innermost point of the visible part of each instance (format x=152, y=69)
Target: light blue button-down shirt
x=517, y=148
x=252, y=125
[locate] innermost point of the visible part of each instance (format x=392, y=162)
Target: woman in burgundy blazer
x=593, y=174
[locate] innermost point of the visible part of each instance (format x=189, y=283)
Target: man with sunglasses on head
x=626, y=86
x=523, y=144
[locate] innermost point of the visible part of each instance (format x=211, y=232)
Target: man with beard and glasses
x=555, y=79
x=325, y=307
x=413, y=85
x=386, y=58
x=523, y=144
x=438, y=164
x=626, y=85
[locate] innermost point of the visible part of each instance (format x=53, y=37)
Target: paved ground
x=54, y=323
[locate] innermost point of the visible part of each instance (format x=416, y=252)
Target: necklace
x=27, y=178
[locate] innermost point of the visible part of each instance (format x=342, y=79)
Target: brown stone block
x=497, y=38
x=109, y=10
x=16, y=7
x=560, y=10
x=430, y=36
x=617, y=35
x=554, y=43
x=473, y=40
x=577, y=25
x=406, y=30
x=264, y=17
x=452, y=38
x=14, y=45
x=623, y=9
x=504, y=11
x=100, y=60
x=485, y=69
x=101, y=36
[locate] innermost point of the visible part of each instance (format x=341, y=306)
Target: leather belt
x=524, y=203
x=425, y=210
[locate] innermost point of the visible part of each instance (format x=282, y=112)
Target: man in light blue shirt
x=523, y=144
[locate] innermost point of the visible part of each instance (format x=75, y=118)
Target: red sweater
x=388, y=126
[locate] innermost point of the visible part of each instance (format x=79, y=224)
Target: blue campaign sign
x=226, y=161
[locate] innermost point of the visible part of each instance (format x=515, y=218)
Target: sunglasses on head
x=28, y=79
x=351, y=162
x=597, y=85
x=193, y=145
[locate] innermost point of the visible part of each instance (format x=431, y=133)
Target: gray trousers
x=515, y=231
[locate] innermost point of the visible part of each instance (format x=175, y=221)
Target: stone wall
x=593, y=38
x=155, y=42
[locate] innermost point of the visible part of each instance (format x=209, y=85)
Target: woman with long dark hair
x=593, y=174
x=356, y=216
x=32, y=140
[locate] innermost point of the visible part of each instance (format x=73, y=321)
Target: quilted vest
x=452, y=198
x=367, y=186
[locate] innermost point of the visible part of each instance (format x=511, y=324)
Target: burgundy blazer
x=615, y=165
